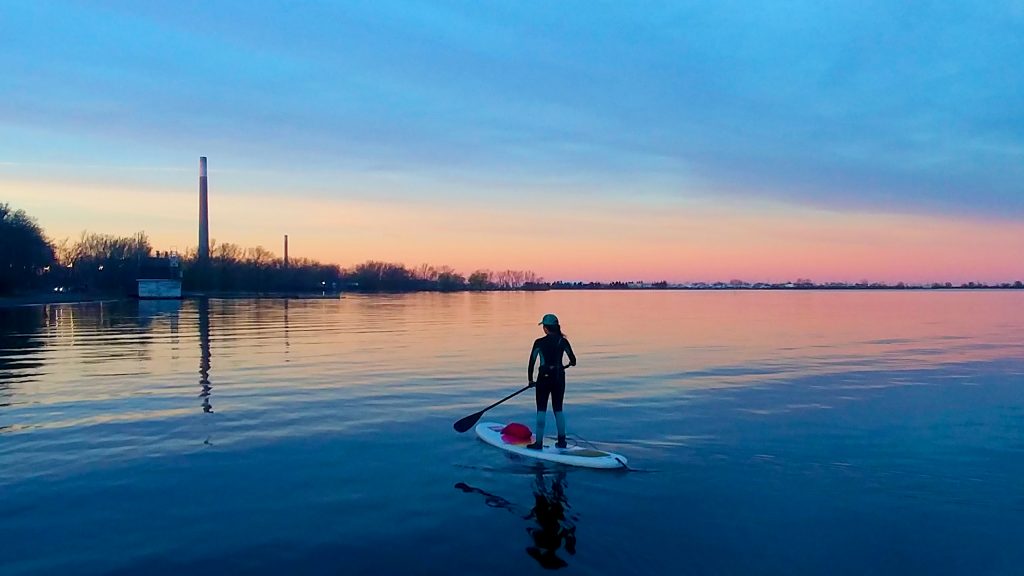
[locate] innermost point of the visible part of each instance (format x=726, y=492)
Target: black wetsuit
x=551, y=377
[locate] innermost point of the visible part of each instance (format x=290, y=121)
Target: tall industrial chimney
x=285, y=250
x=204, y=214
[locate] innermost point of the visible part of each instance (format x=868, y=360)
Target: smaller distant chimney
x=285, y=250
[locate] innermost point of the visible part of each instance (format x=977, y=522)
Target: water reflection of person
x=555, y=525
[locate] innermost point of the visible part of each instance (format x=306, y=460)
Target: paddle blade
x=467, y=422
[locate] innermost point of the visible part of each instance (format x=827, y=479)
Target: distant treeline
x=102, y=263
x=30, y=262
x=376, y=276
x=232, y=268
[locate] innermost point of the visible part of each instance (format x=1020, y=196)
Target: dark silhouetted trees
x=104, y=262
x=95, y=262
x=444, y=278
x=374, y=276
x=479, y=280
x=450, y=281
x=25, y=253
x=232, y=268
x=515, y=279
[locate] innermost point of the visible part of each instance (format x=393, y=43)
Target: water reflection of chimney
x=204, y=354
x=174, y=328
x=287, y=342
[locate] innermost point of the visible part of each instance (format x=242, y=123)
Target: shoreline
x=46, y=298
x=255, y=295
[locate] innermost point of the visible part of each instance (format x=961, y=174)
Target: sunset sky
x=582, y=140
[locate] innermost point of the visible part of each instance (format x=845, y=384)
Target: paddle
x=468, y=422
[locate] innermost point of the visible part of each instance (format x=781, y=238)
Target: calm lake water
x=772, y=433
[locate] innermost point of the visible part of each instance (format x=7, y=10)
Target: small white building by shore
x=160, y=277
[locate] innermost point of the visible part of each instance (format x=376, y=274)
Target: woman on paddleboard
x=550, y=377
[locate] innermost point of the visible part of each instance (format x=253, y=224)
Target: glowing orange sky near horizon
x=675, y=239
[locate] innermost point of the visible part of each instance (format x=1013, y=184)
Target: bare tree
x=425, y=272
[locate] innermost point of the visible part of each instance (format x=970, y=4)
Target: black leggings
x=551, y=384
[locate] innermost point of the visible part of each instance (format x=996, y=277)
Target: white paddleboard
x=490, y=432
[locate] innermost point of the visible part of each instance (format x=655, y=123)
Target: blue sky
x=869, y=107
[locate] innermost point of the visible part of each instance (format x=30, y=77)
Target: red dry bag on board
x=516, y=433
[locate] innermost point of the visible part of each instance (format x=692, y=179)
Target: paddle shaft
x=516, y=393
x=468, y=422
